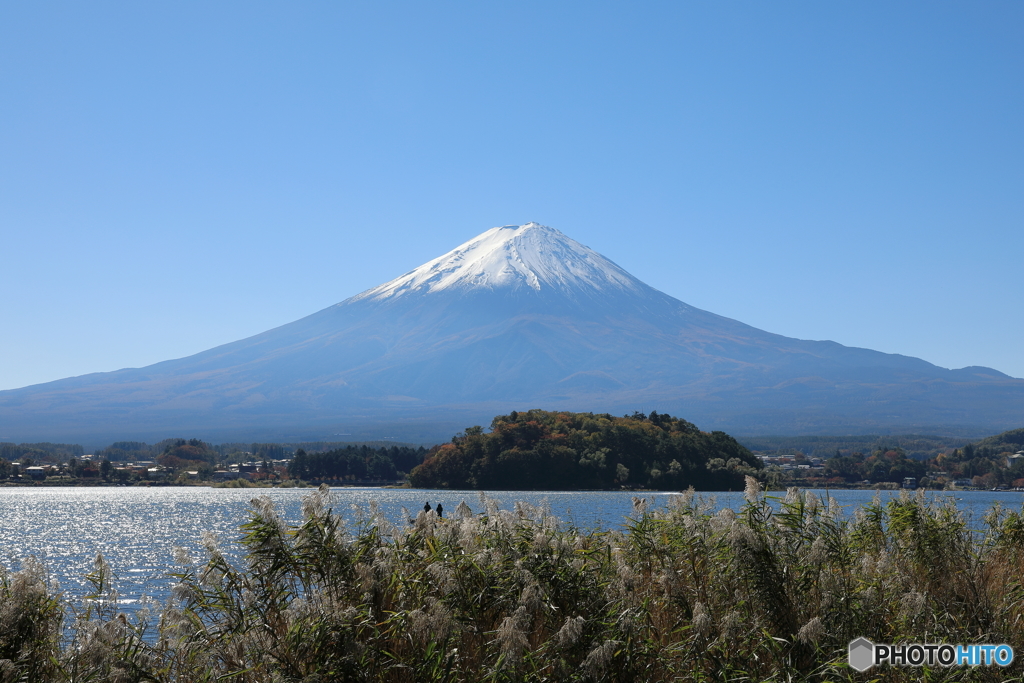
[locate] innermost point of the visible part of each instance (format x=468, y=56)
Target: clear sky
x=174, y=176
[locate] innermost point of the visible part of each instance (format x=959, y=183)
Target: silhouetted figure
x=440, y=510
x=426, y=506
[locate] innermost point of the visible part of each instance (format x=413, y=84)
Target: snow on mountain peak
x=509, y=257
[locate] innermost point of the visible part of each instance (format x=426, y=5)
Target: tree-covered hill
x=539, y=449
x=1007, y=442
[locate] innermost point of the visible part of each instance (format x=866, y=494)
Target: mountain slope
x=519, y=317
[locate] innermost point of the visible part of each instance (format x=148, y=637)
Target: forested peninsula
x=538, y=449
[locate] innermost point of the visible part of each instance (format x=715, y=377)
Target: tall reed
x=682, y=594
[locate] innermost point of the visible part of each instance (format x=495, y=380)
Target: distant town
x=994, y=463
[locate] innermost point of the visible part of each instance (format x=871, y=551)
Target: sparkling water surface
x=137, y=529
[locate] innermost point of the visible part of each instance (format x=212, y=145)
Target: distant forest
x=916, y=447
x=355, y=463
x=40, y=451
x=539, y=449
x=175, y=458
x=226, y=453
x=1012, y=440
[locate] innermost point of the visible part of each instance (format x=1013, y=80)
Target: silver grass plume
x=703, y=624
x=570, y=632
x=182, y=556
x=596, y=663
x=511, y=635
x=463, y=511
x=752, y=489
x=811, y=632
x=912, y=604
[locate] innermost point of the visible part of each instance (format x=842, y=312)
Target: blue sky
x=174, y=176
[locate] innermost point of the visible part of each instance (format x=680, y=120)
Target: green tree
x=298, y=468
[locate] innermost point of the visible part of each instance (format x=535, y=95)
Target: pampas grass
x=682, y=594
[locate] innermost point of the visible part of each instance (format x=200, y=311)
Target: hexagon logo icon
x=862, y=654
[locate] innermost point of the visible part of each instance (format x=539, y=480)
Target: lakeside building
x=793, y=462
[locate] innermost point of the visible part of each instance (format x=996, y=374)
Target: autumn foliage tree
x=539, y=449
x=192, y=454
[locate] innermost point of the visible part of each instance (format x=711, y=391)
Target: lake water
x=137, y=529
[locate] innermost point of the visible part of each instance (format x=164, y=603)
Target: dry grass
x=681, y=595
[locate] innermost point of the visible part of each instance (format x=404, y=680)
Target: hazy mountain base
x=423, y=427
x=682, y=595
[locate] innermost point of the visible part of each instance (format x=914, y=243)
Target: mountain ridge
x=520, y=317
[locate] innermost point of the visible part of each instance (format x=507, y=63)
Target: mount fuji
x=518, y=317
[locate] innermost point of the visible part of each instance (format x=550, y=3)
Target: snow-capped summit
x=533, y=256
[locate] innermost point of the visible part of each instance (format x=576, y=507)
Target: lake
x=137, y=529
